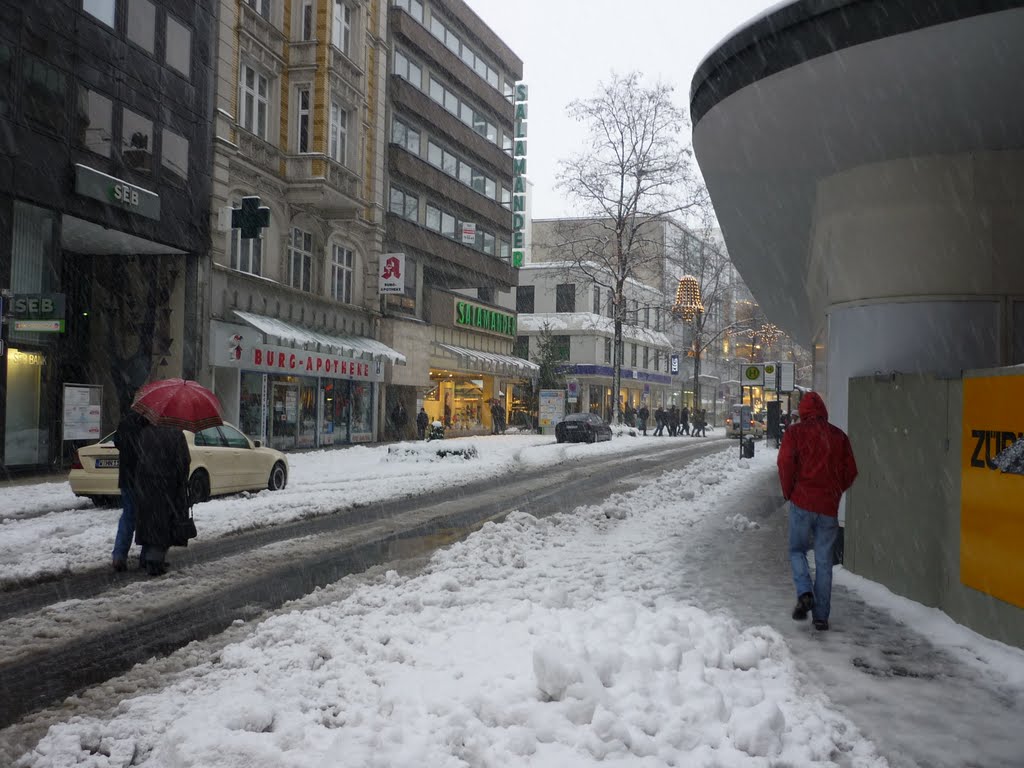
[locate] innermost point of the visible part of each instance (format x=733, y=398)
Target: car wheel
x=559, y=438
x=278, y=477
x=591, y=436
x=199, y=487
x=105, y=501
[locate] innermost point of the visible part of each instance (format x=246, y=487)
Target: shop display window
x=250, y=405
x=362, y=411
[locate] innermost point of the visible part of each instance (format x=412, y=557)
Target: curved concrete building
x=866, y=163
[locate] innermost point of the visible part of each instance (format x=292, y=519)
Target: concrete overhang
x=817, y=87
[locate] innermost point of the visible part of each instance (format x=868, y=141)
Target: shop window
x=141, y=27
x=521, y=348
x=104, y=10
x=174, y=157
x=361, y=411
x=300, y=259
x=524, y=299
x=565, y=297
x=341, y=274
x=178, y=52
x=560, y=347
x=250, y=405
x=95, y=122
x=254, y=89
x=341, y=29
x=45, y=94
x=136, y=141
x=339, y=134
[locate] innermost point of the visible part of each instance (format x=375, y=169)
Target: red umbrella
x=179, y=403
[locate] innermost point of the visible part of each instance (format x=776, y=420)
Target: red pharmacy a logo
x=392, y=268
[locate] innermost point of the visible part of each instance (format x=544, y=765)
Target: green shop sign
x=472, y=315
x=519, y=173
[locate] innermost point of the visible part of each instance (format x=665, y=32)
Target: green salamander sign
x=519, y=180
x=485, y=319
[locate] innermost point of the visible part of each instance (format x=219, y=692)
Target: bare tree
x=636, y=175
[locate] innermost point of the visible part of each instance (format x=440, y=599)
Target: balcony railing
x=317, y=179
x=261, y=154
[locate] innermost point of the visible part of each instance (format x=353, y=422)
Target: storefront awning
x=341, y=345
x=490, y=362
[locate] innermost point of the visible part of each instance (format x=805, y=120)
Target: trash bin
x=748, y=447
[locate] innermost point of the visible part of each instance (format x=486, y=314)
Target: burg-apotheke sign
x=268, y=358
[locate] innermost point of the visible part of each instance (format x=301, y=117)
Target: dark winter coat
x=162, y=482
x=422, y=420
x=126, y=440
x=816, y=463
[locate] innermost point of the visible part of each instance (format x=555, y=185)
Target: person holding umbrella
x=162, y=472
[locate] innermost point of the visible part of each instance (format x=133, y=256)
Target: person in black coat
x=162, y=492
x=126, y=440
x=422, y=419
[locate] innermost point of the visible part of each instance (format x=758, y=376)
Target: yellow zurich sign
x=991, y=506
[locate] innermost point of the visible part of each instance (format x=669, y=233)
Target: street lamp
x=690, y=308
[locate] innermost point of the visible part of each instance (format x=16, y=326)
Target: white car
x=223, y=461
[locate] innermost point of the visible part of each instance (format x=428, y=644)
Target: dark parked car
x=582, y=428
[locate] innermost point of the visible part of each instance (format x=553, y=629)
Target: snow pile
x=741, y=523
x=561, y=641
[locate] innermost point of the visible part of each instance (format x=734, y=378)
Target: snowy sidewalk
x=651, y=629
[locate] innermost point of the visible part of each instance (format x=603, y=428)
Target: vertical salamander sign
x=519, y=180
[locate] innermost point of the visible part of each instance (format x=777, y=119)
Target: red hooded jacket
x=815, y=461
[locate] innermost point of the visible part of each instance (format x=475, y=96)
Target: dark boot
x=804, y=604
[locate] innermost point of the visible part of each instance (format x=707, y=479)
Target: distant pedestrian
x=659, y=421
x=162, y=483
x=684, y=420
x=816, y=466
x=126, y=440
x=422, y=419
x=496, y=419
x=643, y=414
x=630, y=416
x=673, y=421
x=700, y=423
x=399, y=418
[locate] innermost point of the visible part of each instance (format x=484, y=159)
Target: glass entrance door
x=284, y=415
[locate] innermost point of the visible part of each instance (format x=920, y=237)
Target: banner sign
x=552, y=407
x=991, y=514
x=674, y=364
x=82, y=411
x=39, y=312
x=519, y=177
x=392, y=273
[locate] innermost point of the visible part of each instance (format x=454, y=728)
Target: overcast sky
x=569, y=46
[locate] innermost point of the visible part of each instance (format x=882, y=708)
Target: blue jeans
x=125, y=526
x=804, y=525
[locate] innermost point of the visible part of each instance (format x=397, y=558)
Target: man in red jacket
x=816, y=466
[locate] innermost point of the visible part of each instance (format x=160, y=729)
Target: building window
x=306, y=25
x=524, y=299
x=504, y=252
x=405, y=136
x=246, y=255
x=565, y=297
x=433, y=218
x=179, y=46
x=254, y=87
x=262, y=7
x=95, y=122
x=521, y=348
x=407, y=69
x=404, y=204
x=341, y=29
x=300, y=259
x=339, y=133
x=485, y=294
x=560, y=347
x=632, y=355
x=413, y=7
x=647, y=317
x=136, y=141
x=341, y=274
x=45, y=94
x=104, y=10
x=447, y=225
x=304, y=116
x=174, y=157
x=141, y=26
x=607, y=350
x=647, y=357
x=657, y=360
x=597, y=300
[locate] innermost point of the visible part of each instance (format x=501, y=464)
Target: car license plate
x=107, y=463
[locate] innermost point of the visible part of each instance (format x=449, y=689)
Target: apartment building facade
x=294, y=317
x=449, y=174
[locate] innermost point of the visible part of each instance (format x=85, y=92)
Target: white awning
x=355, y=346
x=490, y=361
